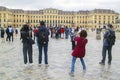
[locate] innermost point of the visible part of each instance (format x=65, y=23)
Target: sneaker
x=109, y=63
x=71, y=74
x=46, y=65
x=31, y=64
x=25, y=65
x=84, y=70
x=101, y=63
x=39, y=65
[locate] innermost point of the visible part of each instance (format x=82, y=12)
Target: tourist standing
x=62, y=32
x=35, y=31
x=72, y=35
x=79, y=51
x=43, y=39
x=66, y=32
x=8, y=34
x=11, y=31
x=27, y=45
x=108, y=41
x=2, y=34
x=16, y=32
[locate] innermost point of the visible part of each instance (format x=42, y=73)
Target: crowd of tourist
x=40, y=35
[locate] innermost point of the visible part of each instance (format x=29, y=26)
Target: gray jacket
x=105, y=37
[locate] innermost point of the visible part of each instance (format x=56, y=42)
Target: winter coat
x=79, y=50
x=105, y=37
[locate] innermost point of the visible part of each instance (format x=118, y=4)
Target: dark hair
x=110, y=25
x=42, y=23
x=83, y=33
x=25, y=28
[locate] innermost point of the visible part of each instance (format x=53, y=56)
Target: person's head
x=83, y=34
x=42, y=23
x=25, y=28
x=109, y=26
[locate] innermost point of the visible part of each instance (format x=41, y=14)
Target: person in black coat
x=27, y=46
x=8, y=34
x=2, y=34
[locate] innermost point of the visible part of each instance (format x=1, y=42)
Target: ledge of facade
x=57, y=11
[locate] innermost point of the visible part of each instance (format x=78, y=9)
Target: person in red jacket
x=62, y=32
x=35, y=31
x=79, y=51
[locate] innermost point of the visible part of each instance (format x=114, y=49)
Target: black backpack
x=111, y=37
x=43, y=37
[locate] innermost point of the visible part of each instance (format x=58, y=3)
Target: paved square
x=12, y=66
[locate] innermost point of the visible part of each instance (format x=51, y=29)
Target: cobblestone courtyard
x=12, y=67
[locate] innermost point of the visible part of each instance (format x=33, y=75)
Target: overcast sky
x=69, y=5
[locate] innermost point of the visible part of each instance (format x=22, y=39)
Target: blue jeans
x=105, y=48
x=66, y=35
x=45, y=53
x=73, y=63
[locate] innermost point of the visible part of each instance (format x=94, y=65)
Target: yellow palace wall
x=54, y=17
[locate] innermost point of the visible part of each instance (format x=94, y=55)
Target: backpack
x=111, y=38
x=43, y=37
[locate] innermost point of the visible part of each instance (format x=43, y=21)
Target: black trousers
x=73, y=45
x=8, y=37
x=11, y=36
x=27, y=53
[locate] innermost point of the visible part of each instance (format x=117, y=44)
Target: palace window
x=4, y=20
x=99, y=22
x=108, y=17
x=112, y=17
x=4, y=15
x=47, y=21
x=113, y=22
x=36, y=21
x=104, y=22
x=83, y=21
x=58, y=21
x=95, y=21
x=64, y=21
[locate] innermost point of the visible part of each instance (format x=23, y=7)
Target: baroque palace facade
x=54, y=17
